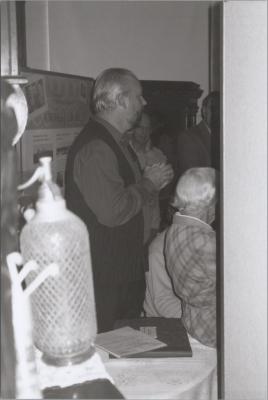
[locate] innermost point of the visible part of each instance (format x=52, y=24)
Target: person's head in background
x=117, y=98
x=141, y=134
x=196, y=194
x=210, y=109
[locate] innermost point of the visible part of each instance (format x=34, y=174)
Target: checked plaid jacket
x=190, y=253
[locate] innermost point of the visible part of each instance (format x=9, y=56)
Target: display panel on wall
x=59, y=106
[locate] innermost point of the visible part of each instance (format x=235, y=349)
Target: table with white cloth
x=181, y=378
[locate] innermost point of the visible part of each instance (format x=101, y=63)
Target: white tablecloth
x=182, y=378
x=88, y=370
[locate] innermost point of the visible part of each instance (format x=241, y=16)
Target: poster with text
x=59, y=107
x=57, y=101
x=46, y=143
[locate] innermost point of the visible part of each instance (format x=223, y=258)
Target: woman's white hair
x=108, y=85
x=196, y=189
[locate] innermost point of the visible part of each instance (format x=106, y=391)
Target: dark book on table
x=168, y=330
x=95, y=389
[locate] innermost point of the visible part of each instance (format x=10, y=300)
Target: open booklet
x=168, y=330
x=126, y=341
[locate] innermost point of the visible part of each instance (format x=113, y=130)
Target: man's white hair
x=196, y=189
x=108, y=85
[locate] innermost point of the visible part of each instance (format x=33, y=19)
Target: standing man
x=105, y=188
x=199, y=145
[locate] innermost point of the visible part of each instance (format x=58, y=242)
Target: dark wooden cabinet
x=173, y=102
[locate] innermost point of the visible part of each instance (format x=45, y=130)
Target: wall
x=157, y=40
x=245, y=199
x=37, y=35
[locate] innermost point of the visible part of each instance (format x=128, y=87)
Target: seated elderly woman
x=190, y=252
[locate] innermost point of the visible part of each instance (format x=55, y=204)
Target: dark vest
x=117, y=252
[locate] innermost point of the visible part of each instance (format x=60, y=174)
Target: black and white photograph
x=134, y=199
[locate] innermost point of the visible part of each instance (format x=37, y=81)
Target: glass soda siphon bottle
x=63, y=307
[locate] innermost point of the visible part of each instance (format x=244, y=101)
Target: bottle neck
x=51, y=211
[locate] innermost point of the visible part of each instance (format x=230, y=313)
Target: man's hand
x=159, y=174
